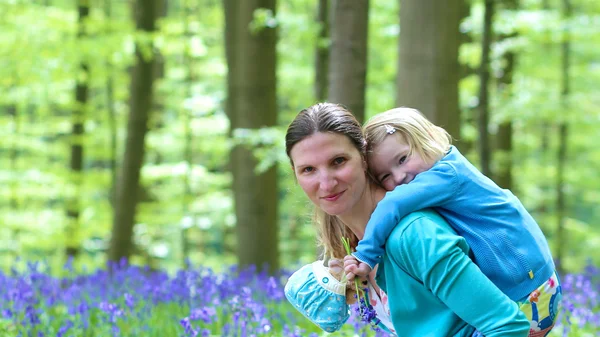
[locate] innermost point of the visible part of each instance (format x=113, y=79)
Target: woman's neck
x=357, y=218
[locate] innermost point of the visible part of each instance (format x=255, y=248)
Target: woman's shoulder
x=427, y=215
x=423, y=233
x=422, y=223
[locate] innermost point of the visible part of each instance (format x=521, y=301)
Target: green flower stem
x=346, y=243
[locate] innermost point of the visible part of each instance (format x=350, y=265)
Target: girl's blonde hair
x=429, y=141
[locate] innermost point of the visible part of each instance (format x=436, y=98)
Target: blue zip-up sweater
x=508, y=245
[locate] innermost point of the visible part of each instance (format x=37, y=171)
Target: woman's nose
x=327, y=181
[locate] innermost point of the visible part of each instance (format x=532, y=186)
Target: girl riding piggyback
x=414, y=160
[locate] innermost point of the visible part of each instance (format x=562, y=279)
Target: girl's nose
x=398, y=178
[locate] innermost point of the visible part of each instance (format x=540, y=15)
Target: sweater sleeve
x=432, y=188
x=438, y=257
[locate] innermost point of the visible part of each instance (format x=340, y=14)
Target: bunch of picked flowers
x=364, y=309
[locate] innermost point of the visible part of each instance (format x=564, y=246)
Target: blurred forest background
x=154, y=129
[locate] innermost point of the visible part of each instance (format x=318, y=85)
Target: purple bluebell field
x=128, y=300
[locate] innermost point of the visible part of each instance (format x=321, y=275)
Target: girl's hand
x=354, y=268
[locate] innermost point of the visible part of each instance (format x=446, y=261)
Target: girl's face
x=330, y=171
x=390, y=164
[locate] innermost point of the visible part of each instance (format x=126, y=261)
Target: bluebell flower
x=129, y=301
x=63, y=329
x=205, y=314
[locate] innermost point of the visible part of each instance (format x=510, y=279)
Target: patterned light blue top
x=507, y=243
x=319, y=296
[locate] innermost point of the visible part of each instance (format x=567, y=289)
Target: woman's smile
x=334, y=197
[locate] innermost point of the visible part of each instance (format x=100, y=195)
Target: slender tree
x=77, y=135
x=546, y=129
x=112, y=114
x=13, y=201
x=484, y=79
x=251, y=104
x=348, y=55
x=188, y=63
x=322, y=51
x=503, y=176
x=12, y=111
x=561, y=205
x=428, y=69
x=140, y=104
x=231, y=51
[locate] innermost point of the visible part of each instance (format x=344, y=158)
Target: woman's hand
x=351, y=293
x=336, y=268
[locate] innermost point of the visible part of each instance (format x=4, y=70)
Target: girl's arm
x=437, y=256
x=432, y=188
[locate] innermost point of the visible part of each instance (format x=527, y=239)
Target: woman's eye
x=402, y=160
x=339, y=160
x=307, y=169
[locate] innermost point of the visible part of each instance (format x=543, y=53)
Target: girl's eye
x=339, y=160
x=402, y=160
x=307, y=169
x=384, y=178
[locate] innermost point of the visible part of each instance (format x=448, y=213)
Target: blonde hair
x=330, y=231
x=429, y=141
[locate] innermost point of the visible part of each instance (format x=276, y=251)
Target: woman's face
x=330, y=170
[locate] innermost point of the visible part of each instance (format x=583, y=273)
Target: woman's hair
x=429, y=141
x=333, y=118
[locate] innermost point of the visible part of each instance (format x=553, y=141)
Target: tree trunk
x=348, y=55
x=188, y=138
x=73, y=206
x=484, y=79
x=561, y=206
x=322, y=51
x=546, y=129
x=112, y=117
x=503, y=174
x=231, y=51
x=13, y=203
x=137, y=125
x=545, y=4
x=251, y=104
x=428, y=70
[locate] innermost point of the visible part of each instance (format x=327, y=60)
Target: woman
x=434, y=288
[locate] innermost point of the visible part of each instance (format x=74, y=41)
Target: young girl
x=414, y=160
